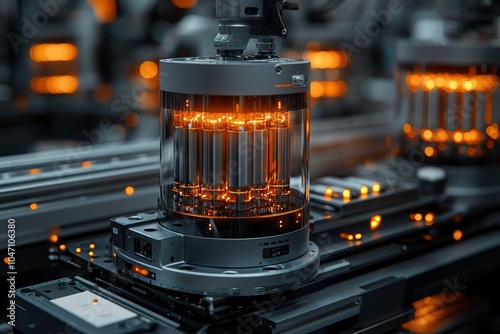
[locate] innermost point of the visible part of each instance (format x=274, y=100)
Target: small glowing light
x=429, y=151
x=92, y=246
x=407, y=128
x=346, y=194
x=148, y=69
x=457, y=235
x=33, y=206
x=457, y=136
x=375, y=222
x=358, y=236
x=78, y=250
x=329, y=192
x=35, y=171
x=364, y=190
x=185, y=4
x=427, y=134
x=210, y=226
x=86, y=164
x=91, y=253
x=427, y=237
x=430, y=84
x=6, y=260
x=62, y=247
x=140, y=271
x=129, y=190
x=54, y=238
x=347, y=236
x=95, y=301
x=417, y=217
x=429, y=217
x=376, y=188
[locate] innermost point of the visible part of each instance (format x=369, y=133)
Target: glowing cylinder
x=447, y=102
x=237, y=145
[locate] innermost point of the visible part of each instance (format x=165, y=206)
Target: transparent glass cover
x=234, y=166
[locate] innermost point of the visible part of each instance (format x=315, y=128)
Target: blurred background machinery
x=405, y=116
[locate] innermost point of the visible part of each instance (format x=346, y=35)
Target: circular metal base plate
x=213, y=281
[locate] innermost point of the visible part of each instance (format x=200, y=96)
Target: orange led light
x=139, y=270
x=452, y=82
x=6, y=260
x=51, y=52
x=86, y=164
x=417, y=217
x=429, y=151
x=78, y=250
x=91, y=253
x=457, y=235
x=104, y=10
x=375, y=222
x=347, y=236
x=364, y=190
x=148, y=69
x=62, y=247
x=328, y=89
x=35, y=171
x=429, y=217
x=358, y=236
x=57, y=84
x=129, y=190
x=327, y=59
x=346, y=194
x=376, y=188
x=54, y=238
x=328, y=192
x=33, y=206
x=92, y=246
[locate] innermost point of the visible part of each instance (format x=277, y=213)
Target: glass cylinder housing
x=449, y=102
x=234, y=147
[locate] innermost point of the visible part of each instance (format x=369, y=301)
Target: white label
x=94, y=309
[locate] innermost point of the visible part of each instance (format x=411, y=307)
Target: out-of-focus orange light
x=376, y=188
x=358, y=236
x=346, y=194
x=78, y=250
x=327, y=59
x=429, y=217
x=317, y=89
x=58, y=84
x=457, y=136
x=427, y=237
x=129, y=190
x=329, y=192
x=140, y=271
x=364, y=190
x=417, y=217
x=457, y=235
x=86, y=164
x=452, y=82
x=54, y=238
x=35, y=171
x=427, y=134
x=104, y=10
x=51, y=52
x=6, y=260
x=33, y=206
x=91, y=253
x=148, y=69
x=407, y=128
x=92, y=246
x=429, y=151
x=132, y=119
x=62, y=247
x=347, y=236
x=184, y=4
x=375, y=222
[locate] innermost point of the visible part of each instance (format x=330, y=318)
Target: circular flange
x=212, y=281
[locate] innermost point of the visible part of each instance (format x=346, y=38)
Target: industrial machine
x=249, y=217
